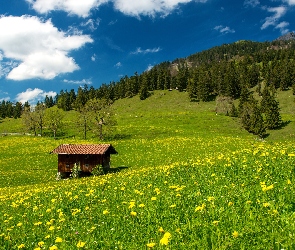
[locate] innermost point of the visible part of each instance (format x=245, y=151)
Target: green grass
x=191, y=173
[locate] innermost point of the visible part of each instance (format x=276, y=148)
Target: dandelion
x=132, y=204
x=141, y=205
x=81, y=244
x=21, y=246
x=161, y=230
x=38, y=223
x=200, y=208
x=235, y=234
x=230, y=203
x=19, y=224
x=53, y=248
x=37, y=248
x=172, y=206
x=105, y=212
x=215, y=222
x=165, y=239
x=47, y=236
x=211, y=198
x=266, y=204
x=58, y=239
x=151, y=245
x=41, y=243
x=133, y=213
x=289, y=182
x=153, y=198
x=51, y=228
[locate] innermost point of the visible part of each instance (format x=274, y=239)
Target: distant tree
x=17, y=111
x=273, y=118
x=54, y=119
x=143, y=92
x=257, y=126
x=102, y=116
x=39, y=115
x=29, y=120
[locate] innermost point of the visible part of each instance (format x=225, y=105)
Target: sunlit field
x=200, y=184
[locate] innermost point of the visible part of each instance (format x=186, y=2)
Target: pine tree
x=273, y=118
x=257, y=126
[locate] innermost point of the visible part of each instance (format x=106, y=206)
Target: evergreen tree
x=257, y=126
x=143, y=92
x=273, y=118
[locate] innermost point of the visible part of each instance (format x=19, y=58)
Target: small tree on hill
x=273, y=118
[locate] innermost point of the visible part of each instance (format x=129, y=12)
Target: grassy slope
x=146, y=127
x=196, y=174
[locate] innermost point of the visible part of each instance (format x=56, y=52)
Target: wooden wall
x=87, y=162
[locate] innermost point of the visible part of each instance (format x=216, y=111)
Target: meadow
x=195, y=180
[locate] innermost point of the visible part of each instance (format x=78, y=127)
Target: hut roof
x=87, y=149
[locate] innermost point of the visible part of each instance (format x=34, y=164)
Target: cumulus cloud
x=33, y=95
x=140, y=51
x=131, y=8
x=80, y=82
x=223, y=29
x=39, y=48
x=73, y=7
x=278, y=12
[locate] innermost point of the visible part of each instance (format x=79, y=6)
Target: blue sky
x=50, y=45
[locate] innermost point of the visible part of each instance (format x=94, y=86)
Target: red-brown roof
x=88, y=149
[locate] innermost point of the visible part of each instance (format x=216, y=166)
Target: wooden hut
x=87, y=156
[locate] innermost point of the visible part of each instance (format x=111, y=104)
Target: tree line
x=228, y=71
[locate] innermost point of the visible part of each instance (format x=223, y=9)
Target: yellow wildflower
x=141, y=205
x=19, y=224
x=150, y=245
x=165, y=239
x=21, y=246
x=133, y=213
x=58, y=239
x=51, y=228
x=172, y=206
x=53, y=247
x=105, y=212
x=153, y=198
x=41, y=243
x=235, y=234
x=81, y=244
x=161, y=230
x=211, y=198
x=230, y=203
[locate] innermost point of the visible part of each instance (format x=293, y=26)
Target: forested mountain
x=220, y=71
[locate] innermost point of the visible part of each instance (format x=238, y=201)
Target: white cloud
x=149, y=67
x=118, y=65
x=290, y=2
x=251, y=3
x=282, y=26
x=5, y=99
x=73, y=7
x=140, y=51
x=39, y=48
x=136, y=8
x=33, y=95
x=273, y=20
x=93, y=58
x=80, y=82
x=224, y=30
x=91, y=24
